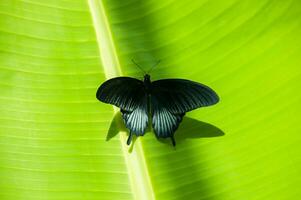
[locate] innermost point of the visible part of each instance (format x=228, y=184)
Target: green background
x=53, y=130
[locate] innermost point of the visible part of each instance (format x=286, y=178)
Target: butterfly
x=163, y=102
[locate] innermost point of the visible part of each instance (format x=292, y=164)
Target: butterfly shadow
x=192, y=129
x=116, y=126
x=189, y=129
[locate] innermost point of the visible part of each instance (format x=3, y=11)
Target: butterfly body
x=147, y=83
x=164, y=101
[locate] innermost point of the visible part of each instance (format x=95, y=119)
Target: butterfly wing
x=123, y=92
x=180, y=95
x=129, y=95
x=137, y=120
x=172, y=98
x=164, y=122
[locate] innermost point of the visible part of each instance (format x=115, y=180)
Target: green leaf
x=58, y=142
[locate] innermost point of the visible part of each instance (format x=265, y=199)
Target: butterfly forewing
x=180, y=95
x=123, y=92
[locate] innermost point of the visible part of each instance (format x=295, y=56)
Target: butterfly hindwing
x=136, y=120
x=164, y=122
x=180, y=95
x=123, y=92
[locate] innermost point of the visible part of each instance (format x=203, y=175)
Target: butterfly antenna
x=157, y=63
x=138, y=66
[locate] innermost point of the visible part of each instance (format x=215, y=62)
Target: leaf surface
x=54, y=132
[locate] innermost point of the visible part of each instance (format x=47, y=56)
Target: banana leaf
x=58, y=142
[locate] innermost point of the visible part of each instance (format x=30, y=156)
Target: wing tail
x=129, y=140
x=173, y=140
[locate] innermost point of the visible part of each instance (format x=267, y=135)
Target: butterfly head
x=146, y=78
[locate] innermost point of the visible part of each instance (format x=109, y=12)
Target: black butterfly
x=166, y=101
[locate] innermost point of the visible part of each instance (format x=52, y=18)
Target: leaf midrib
x=139, y=177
